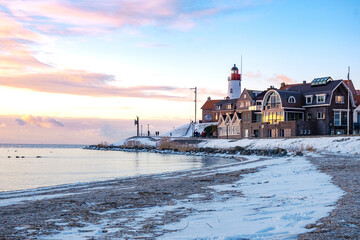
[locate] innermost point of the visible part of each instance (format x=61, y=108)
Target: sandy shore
x=113, y=209
x=92, y=203
x=344, y=221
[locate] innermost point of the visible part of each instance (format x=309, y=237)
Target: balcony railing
x=256, y=107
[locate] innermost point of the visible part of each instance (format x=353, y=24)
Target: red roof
x=357, y=100
x=210, y=104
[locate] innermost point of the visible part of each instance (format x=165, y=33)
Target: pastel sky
x=80, y=71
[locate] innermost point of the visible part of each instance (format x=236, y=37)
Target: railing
x=256, y=107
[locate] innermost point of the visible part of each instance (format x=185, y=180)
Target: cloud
x=43, y=122
x=89, y=84
x=67, y=16
x=281, y=78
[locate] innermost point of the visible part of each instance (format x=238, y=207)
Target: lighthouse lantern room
x=234, y=83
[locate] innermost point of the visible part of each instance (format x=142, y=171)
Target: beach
x=256, y=198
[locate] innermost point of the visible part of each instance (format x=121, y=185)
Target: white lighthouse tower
x=234, y=83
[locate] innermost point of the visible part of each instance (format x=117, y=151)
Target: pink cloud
x=45, y=122
x=281, y=78
x=78, y=130
x=89, y=84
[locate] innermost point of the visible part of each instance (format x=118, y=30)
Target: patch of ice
x=280, y=200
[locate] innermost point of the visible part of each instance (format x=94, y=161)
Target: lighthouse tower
x=234, y=83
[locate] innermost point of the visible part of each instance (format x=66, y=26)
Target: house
x=321, y=107
x=208, y=111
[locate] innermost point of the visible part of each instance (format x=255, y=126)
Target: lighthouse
x=234, y=83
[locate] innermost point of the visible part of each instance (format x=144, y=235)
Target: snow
x=334, y=145
x=278, y=202
x=187, y=130
x=325, y=145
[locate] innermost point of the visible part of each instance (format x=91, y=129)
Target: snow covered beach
x=259, y=197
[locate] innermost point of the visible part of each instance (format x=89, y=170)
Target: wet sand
x=112, y=207
x=110, y=201
x=344, y=221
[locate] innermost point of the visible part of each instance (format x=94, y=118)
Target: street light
x=227, y=130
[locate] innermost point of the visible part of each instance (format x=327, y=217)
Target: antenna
x=241, y=66
x=348, y=76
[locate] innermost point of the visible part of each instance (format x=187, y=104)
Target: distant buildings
x=322, y=107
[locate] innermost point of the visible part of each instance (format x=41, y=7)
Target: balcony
x=256, y=107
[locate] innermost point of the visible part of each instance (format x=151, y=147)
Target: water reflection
x=21, y=168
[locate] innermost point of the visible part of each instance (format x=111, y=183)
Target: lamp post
x=136, y=122
x=227, y=130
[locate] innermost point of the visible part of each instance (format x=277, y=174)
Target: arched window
x=291, y=99
x=272, y=100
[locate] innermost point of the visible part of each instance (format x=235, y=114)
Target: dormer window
x=320, y=98
x=291, y=99
x=229, y=106
x=309, y=99
x=339, y=99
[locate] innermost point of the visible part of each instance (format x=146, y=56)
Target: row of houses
x=321, y=107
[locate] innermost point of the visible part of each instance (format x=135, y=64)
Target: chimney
x=304, y=82
x=227, y=98
x=282, y=85
x=209, y=98
x=271, y=87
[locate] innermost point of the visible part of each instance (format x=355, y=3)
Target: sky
x=79, y=72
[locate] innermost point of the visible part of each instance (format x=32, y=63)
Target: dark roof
x=209, y=104
x=308, y=89
x=226, y=101
x=285, y=95
x=253, y=93
x=260, y=96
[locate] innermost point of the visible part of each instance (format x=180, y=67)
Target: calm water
x=63, y=164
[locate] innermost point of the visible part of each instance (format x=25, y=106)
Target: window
x=320, y=98
x=308, y=131
x=208, y=117
x=272, y=101
x=218, y=107
x=231, y=90
x=339, y=99
x=228, y=106
x=246, y=133
x=321, y=115
x=340, y=118
x=308, y=116
x=309, y=99
x=241, y=104
x=291, y=99
x=244, y=95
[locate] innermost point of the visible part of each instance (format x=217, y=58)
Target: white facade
x=234, y=88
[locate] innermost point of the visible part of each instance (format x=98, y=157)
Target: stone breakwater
x=198, y=151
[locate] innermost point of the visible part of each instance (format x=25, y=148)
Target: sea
x=24, y=166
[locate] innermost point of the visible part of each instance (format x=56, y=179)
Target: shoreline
x=85, y=210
